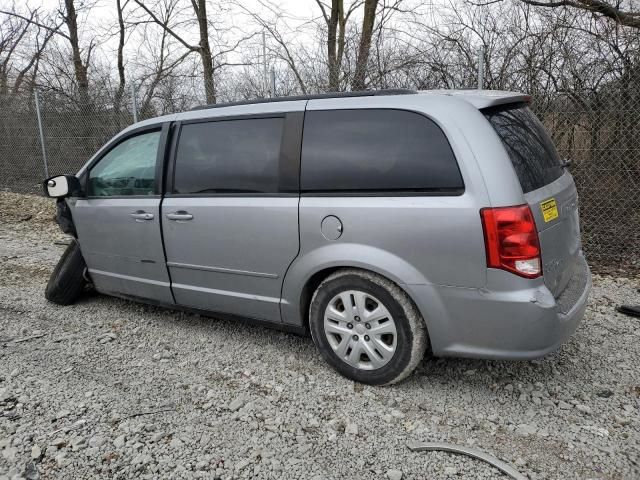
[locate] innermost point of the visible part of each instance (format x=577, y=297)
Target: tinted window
x=532, y=153
x=229, y=156
x=375, y=150
x=127, y=169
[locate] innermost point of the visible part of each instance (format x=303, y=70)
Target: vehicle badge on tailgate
x=549, y=209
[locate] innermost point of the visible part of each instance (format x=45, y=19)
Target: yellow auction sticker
x=549, y=209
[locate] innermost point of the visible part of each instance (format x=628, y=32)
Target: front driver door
x=118, y=223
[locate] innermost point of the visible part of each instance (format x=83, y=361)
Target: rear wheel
x=67, y=280
x=366, y=327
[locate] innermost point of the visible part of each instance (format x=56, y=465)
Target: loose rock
x=351, y=429
x=393, y=474
x=36, y=453
x=96, y=441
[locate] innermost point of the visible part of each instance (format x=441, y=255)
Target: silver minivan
x=384, y=223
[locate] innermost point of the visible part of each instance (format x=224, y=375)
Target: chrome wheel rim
x=360, y=330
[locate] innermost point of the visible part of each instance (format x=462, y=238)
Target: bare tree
x=33, y=64
x=611, y=10
x=120, y=6
x=69, y=17
x=14, y=32
x=159, y=65
x=203, y=48
x=11, y=34
x=285, y=48
x=336, y=22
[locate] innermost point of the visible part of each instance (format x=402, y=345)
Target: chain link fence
x=597, y=131
x=72, y=131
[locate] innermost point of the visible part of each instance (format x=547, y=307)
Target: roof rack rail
x=359, y=93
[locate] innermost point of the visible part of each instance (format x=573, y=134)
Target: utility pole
x=134, y=102
x=44, y=150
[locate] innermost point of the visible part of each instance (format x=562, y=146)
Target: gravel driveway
x=112, y=389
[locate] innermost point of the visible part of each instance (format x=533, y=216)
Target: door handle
x=180, y=215
x=141, y=216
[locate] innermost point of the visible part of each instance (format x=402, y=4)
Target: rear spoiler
x=484, y=98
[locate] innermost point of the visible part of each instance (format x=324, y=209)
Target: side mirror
x=62, y=186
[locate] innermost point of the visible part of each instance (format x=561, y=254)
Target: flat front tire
x=366, y=327
x=67, y=279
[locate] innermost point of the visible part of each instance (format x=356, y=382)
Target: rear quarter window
x=529, y=146
x=376, y=150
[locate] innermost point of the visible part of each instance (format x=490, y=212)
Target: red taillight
x=511, y=240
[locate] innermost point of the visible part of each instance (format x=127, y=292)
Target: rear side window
x=229, y=156
x=376, y=150
x=530, y=148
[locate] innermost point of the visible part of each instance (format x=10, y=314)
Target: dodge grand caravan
x=381, y=222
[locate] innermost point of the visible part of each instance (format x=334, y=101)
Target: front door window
x=127, y=169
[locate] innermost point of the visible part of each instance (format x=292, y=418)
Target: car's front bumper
x=512, y=318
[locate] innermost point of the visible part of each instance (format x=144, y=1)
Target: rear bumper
x=517, y=319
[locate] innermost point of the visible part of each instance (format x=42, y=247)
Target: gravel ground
x=112, y=389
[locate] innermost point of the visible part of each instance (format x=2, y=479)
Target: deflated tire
x=67, y=281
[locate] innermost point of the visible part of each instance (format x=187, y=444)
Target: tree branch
x=626, y=18
x=193, y=48
x=36, y=23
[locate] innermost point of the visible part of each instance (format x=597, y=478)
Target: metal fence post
x=44, y=150
x=135, y=102
x=273, y=82
x=264, y=64
x=481, y=68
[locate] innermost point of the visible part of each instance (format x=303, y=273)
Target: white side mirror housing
x=61, y=186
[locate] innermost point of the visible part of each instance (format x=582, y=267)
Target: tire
x=402, y=354
x=67, y=280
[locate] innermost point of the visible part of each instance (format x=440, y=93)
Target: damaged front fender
x=64, y=218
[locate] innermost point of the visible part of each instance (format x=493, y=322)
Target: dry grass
x=28, y=212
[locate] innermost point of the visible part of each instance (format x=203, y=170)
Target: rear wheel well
x=408, y=334
x=308, y=290
x=317, y=278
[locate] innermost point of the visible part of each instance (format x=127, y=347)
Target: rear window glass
x=375, y=150
x=528, y=144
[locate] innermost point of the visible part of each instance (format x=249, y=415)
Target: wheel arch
x=408, y=352
x=306, y=274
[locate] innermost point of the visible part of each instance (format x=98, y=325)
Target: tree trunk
x=117, y=102
x=337, y=11
x=362, y=60
x=4, y=84
x=80, y=69
x=205, y=49
x=207, y=66
x=342, y=26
